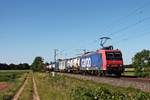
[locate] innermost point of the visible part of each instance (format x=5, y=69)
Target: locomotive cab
x=112, y=62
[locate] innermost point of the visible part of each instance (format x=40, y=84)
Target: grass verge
x=67, y=88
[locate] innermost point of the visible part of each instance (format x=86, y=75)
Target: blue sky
x=30, y=28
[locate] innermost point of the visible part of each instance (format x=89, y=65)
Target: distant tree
x=12, y=66
x=3, y=66
x=38, y=64
x=142, y=59
x=23, y=66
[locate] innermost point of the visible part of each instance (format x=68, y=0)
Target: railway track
x=138, y=83
x=131, y=78
x=146, y=80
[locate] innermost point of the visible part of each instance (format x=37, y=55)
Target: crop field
x=66, y=88
x=10, y=82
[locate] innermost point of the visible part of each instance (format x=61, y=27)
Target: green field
x=12, y=80
x=145, y=72
x=66, y=88
x=129, y=72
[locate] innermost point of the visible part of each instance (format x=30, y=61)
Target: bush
x=82, y=93
x=142, y=72
x=103, y=93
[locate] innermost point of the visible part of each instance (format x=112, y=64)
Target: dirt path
x=35, y=93
x=20, y=90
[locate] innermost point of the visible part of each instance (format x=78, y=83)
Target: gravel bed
x=118, y=82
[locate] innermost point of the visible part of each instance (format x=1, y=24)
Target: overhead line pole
x=55, y=54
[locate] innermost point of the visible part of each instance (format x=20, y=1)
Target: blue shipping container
x=91, y=61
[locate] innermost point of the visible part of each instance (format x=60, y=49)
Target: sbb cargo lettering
x=86, y=62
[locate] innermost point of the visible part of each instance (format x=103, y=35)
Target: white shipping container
x=76, y=62
x=62, y=65
x=69, y=63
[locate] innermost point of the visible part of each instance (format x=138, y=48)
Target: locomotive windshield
x=113, y=56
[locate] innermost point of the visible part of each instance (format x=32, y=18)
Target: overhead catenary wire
x=125, y=17
x=133, y=12
x=129, y=38
x=129, y=26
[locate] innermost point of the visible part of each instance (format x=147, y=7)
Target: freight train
x=101, y=62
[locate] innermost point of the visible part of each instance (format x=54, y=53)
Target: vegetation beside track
x=67, y=88
x=141, y=61
x=64, y=88
x=14, y=79
x=137, y=72
x=129, y=72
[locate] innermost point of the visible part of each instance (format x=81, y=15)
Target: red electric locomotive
x=112, y=62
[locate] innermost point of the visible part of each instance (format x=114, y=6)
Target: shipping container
x=56, y=66
x=62, y=65
x=91, y=61
x=76, y=62
x=69, y=65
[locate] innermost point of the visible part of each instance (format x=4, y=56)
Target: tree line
x=37, y=65
x=23, y=66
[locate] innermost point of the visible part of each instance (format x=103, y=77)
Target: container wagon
x=62, y=65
